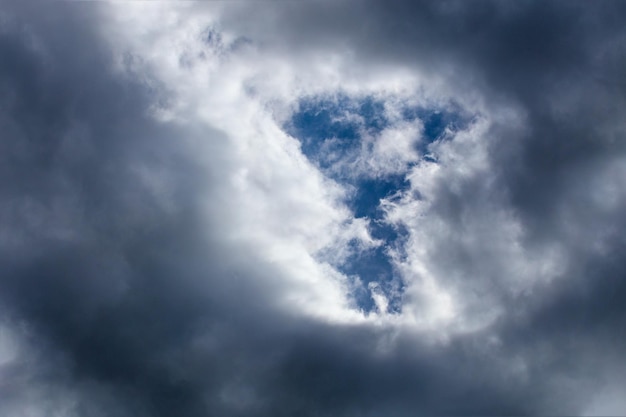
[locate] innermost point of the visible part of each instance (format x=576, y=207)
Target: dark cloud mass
x=121, y=293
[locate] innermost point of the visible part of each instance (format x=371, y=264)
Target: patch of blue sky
x=437, y=122
x=366, y=200
x=331, y=132
x=330, y=129
x=373, y=265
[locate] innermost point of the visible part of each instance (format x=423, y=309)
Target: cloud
x=172, y=244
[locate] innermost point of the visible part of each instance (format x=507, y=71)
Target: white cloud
x=270, y=198
x=160, y=258
x=465, y=252
x=266, y=194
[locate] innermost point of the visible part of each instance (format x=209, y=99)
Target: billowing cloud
x=312, y=208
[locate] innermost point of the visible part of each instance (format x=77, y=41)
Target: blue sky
x=330, y=131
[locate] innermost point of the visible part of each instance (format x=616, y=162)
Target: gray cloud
x=125, y=298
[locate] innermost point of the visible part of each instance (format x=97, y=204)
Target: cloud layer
x=269, y=208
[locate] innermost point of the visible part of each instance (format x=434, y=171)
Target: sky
x=312, y=208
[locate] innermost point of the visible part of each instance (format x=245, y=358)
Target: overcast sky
x=312, y=208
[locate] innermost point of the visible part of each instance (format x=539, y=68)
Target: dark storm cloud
x=561, y=66
x=113, y=277
x=143, y=311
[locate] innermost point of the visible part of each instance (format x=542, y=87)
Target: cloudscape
x=312, y=208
